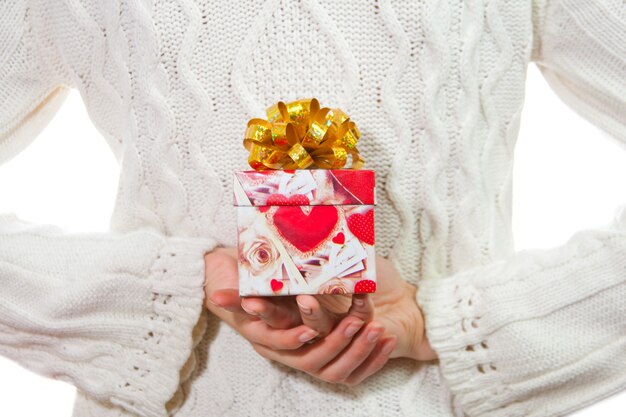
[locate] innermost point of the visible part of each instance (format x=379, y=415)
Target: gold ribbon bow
x=300, y=135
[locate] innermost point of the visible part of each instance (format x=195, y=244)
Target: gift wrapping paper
x=305, y=231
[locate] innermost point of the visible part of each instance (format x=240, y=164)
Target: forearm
x=112, y=314
x=538, y=334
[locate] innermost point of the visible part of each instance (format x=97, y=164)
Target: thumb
x=226, y=298
x=222, y=279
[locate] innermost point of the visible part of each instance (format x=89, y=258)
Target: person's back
x=437, y=88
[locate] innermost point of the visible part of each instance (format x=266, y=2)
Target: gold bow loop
x=301, y=135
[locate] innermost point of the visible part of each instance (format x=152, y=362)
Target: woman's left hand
x=394, y=306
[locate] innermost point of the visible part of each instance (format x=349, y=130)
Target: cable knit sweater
x=436, y=87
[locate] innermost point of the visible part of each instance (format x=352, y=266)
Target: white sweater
x=436, y=88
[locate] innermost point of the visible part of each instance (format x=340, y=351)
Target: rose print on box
x=305, y=231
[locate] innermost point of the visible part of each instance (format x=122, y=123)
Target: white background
x=568, y=176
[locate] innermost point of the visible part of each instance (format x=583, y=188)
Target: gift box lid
x=304, y=187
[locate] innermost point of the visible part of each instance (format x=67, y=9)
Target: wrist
x=421, y=348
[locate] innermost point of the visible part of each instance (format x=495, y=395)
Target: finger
x=221, y=279
x=233, y=319
x=377, y=359
x=362, y=307
x=227, y=299
x=279, y=313
x=315, y=316
x=311, y=358
x=340, y=368
x=258, y=332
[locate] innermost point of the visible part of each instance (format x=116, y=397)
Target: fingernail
x=305, y=309
x=353, y=328
x=251, y=312
x=388, y=347
x=307, y=335
x=373, y=335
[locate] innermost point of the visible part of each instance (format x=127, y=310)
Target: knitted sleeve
x=30, y=91
x=115, y=314
x=543, y=332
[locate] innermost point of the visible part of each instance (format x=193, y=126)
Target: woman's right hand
x=222, y=299
x=347, y=353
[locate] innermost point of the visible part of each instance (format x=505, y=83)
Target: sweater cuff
x=455, y=335
x=148, y=381
x=537, y=334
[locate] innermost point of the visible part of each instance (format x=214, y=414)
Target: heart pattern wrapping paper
x=305, y=231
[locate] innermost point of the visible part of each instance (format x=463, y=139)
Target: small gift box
x=307, y=228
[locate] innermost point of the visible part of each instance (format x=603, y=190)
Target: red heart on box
x=339, y=238
x=294, y=200
x=306, y=231
x=362, y=226
x=281, y=200
x=360, y=187
x=365, y=286
x=276, y=285
x=277, y=200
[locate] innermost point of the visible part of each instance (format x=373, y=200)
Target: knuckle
x=274, y=345
x=279, y=344
x=248, y=335
x=309, y=368
x=352, y=382
x=349, y=383
x=333, y=378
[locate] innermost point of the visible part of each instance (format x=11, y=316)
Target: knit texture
x=436, y=88
x=115, y=314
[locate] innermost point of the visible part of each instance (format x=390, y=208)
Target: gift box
x=306, y=212
x=305, y=231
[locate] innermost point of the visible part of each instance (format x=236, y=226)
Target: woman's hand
x=221, y=288
x=350, y=350
x=396, y=307
x=394, y=304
